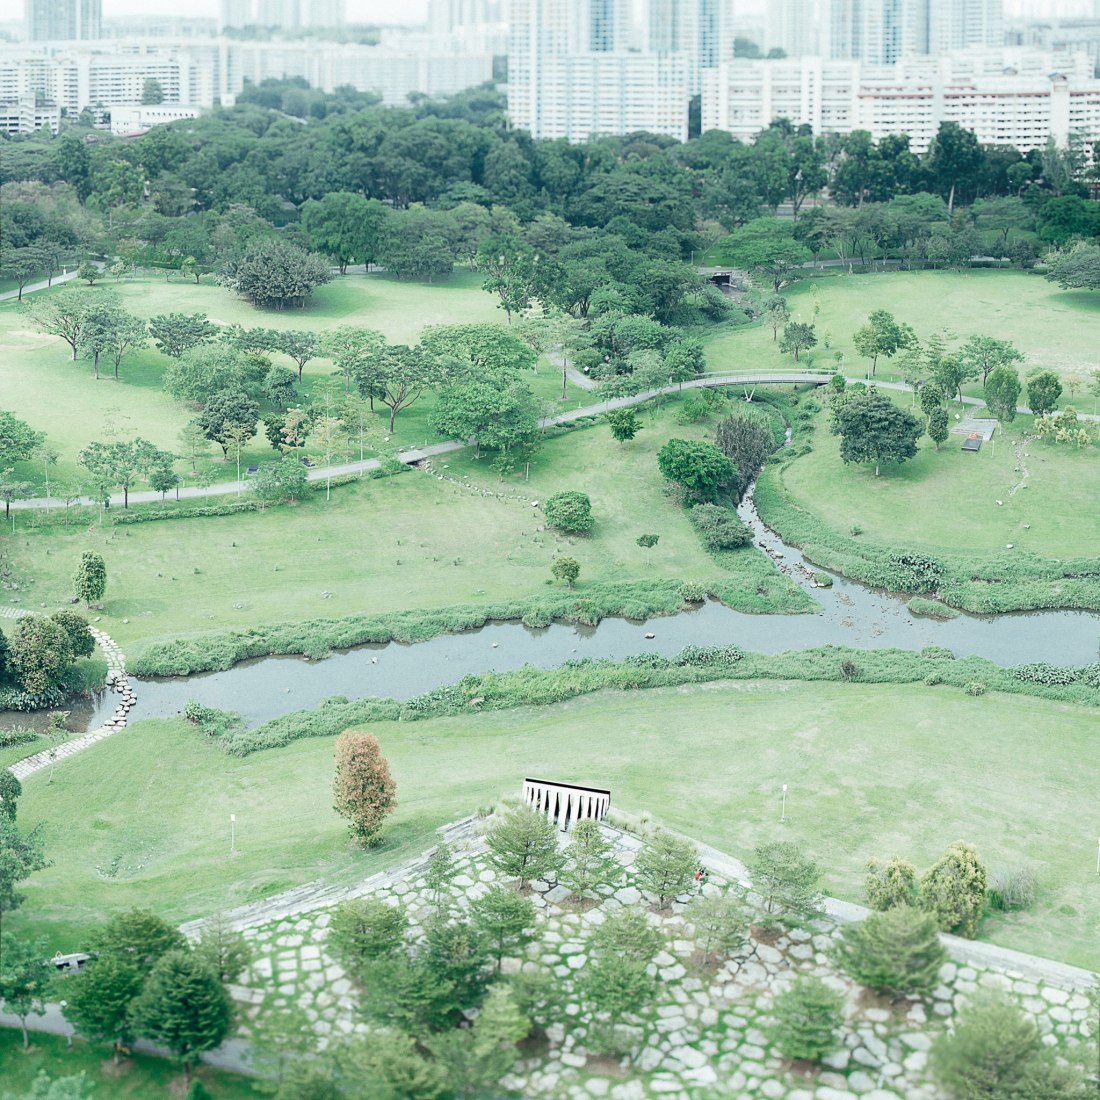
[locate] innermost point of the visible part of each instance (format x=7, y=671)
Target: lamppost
x=233, y=834
x=783, y=812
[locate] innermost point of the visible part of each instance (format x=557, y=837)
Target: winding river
x=850, y=615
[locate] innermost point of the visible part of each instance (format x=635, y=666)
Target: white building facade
x=1017, y=98
x=202, y=73
x=579, y=68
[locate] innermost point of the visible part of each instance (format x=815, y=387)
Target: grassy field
x=1055, y=329
x=402, y=542
x=949, y=500
x=140, y=1077
x=871, y=771
x=40, y=382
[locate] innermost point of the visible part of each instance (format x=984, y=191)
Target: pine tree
x=184, y=1006
x=440, y=873
x=363, y=790
x=721, y=923
x=99, y=999
x=786, y=881
x=523, y=844
x=808, y=1016
x=507, y=921
x=588, y=860
x=897, y=951
x=666, y=866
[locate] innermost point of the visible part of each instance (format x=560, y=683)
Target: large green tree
x=873, y=429
x=21, y=854
x=98, y=1000
x=786, y=881
x=184, y=1006
x=953, y=890
x=896, y=951
x=175, y=333
x=1002, y=393
x=700, y=467
x=275, y=274
x=882, y=335
x=118, y=465
x=765, y=247
x=1077, y=269
x=227, y=416
x=24, y=978
x=523, y=844
x=1044, y=388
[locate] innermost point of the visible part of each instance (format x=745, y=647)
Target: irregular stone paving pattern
x=706, y=1035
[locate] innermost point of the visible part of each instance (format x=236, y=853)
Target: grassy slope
x=1054, y=328
x=872, y=771
x=382, y=545
x=948, y=500
x=142, y=1076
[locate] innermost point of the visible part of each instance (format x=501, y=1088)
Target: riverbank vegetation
x=864, y=764
x=1009, y=528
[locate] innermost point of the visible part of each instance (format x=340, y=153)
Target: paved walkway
x=30, y=288
x=116, y=681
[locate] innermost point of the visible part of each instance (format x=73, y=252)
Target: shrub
x=17, y=735
x=953, y=890
x=210, y=720
x=692, y=593
x=571, y=511
x=566, y=569
x=1015, y=888
x=719, y=528
x=848, y=670
x=709, y=655
x=891, y=884
x=975, y=687
x=1042, y=673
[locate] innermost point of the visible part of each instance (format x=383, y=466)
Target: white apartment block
x=27, y=114
x=881, y=31
x=201, y=74
x=136, y=118
x=578, y=68
x=1018, y=98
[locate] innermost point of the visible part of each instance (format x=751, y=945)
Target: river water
x=850, y=614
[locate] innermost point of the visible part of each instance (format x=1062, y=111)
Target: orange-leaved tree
x=363, y=790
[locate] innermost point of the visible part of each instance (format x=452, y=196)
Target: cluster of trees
x=147, y=981
x=37, y=656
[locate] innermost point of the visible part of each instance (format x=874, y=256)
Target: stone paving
x=116, y=681
x=707, y=1033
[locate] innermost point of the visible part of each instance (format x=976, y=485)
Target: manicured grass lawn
x=1054, y=328
x=872, y=771
x=140, y=1077
x=40, y=383
x=948, y=500
x=402, y=542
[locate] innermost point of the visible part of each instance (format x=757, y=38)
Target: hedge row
x=531, y=686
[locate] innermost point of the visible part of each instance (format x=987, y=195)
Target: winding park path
x=747, y=380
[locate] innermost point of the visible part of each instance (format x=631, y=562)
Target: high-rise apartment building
x=881, y=31
x=960, y=24
x=236, y=14
x=583, y=67
x=64, y=20
x=286, y=14
x=1007, y=97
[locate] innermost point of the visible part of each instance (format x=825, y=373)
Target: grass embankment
x=1056, y=329
x=1015, y=526
x=140, y=1076
x=871, y=771
x=403, y=544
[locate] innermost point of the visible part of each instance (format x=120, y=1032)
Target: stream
x=850, y=615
